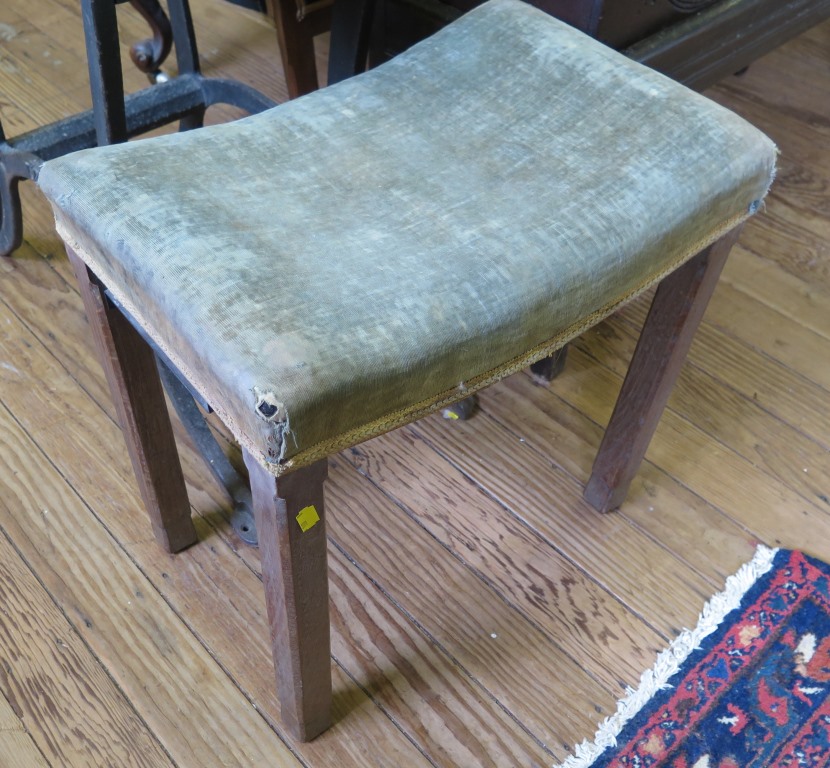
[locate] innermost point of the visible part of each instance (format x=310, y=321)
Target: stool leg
x=130, y=366
x=292, y=543
x=675, y=314
x=548, y=368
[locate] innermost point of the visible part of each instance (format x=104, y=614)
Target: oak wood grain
x=549, y=501
x=75, y=714
x=574, y=611
x=427, y=583
x=17, y=750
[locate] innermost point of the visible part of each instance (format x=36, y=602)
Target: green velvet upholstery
x=352, y=260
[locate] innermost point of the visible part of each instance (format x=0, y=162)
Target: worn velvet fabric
x=346, y=262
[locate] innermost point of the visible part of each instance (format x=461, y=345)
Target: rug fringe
x=670, y=660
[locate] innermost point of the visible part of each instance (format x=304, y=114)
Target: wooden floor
x=482, y=614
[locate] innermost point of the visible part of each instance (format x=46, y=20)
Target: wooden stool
x=349, y=262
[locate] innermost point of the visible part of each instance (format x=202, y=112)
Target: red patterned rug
x=748, y=688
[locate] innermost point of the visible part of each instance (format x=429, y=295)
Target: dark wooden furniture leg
x=296, y=41
x=130, y=366
x=351, y=22
x=675, y=314
x=548, y=368
x=291, y=523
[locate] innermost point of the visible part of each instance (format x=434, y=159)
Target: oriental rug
x=748, y=688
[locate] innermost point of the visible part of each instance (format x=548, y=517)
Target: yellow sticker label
x=453, y=415
x=308, y=518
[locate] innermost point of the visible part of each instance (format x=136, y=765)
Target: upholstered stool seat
x=350, y=261
x=357, y=258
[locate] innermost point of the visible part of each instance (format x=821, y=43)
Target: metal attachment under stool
x=242, y=516
x=187, y=401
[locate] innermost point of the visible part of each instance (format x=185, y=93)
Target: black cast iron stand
x=115, y=118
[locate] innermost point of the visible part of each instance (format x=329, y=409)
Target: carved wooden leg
x=291, y=524
x=675, y=314
x=130, y=366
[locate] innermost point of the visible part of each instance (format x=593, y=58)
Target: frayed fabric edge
x=670, y=660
